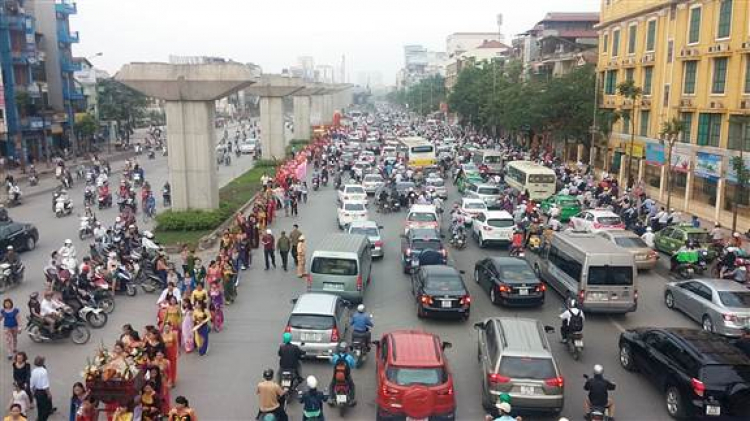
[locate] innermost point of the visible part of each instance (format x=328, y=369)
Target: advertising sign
x=708, y=165
x=654, y=154
x=731, y=174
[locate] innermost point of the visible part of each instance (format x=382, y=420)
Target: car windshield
x=475, y=205
x=610, y=275
x=493, y=159
x=518, y=273
x=355, y=190
x=470, y=167
x=699, y=237
x=568, y=203
x=543, y=179
x=527, y=368
x=608, y=221
x=422, y=149
x=412, y=376
x=367, y=231
x=630, y=242
x=443, y=283
x=404, y=186
x=426, y=244
x=311, y=321
x=354, y=207
x=435, y=182
x=373, y=178
x=334, y=266
x=500, y=223
x=489, y=191
x=421, y=217
x=735, y=298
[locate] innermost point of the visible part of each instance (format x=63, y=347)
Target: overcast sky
x=273, y=33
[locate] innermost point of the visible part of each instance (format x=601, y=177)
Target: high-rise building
x=460, y=42
x=691, y=60
x=419, y=62
x=307, y=66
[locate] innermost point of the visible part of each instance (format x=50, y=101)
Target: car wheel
x=669, y=300
x=673, y=399
x=481, y=242
x=626, y=358
x=708, y=324
x=30, y=243
x=493, y=296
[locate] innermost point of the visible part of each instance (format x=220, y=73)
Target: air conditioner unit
x=686, y=103
x=711, y=49
x=715, y=104
x=722, y=47
x=685, y=52
x=648, y=58
x=646, y=103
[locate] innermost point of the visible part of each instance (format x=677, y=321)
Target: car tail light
x=426, y=299
x=652, y=254
x=444, y=252
x=597, y=225
x=335, y=335
x=487, y=228
x=466, y=300
x=582, y=295
x=635, y=295
x=555, y=382
x=359, y=283
x=541, y=288
x=497, y=378
x=698, y=387
x=408, y=252
x=389, y=390
x=378, y=244
x=288, y=329
x=445, y=392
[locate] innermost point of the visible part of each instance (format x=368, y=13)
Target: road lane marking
x=617, y=324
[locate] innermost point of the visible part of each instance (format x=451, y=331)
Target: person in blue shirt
x=361, y=324
x=343, y=363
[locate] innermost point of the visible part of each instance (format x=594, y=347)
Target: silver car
x=438, y=186
x=645, y=256
x=371, y=230
x=721, y=306
x=372, y=182
x=317, y=323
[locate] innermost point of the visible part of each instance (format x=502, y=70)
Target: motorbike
x=57, y=278
x=88, y=197
x=289, y=382
x=458, y=238
x=151, y=154
x=359, y=348
x=687, y=263
x=14, y=198
x=167, y=197
x=137, y=179
x=145, y=277
x=86, y=307
x=517, y=252
x=575, y=344
x=105, y=201
x=315, y=183
x=9, y=276
x=63, y=208
x=71, y=325
x=124, y=282
x=86, y=228
x=33, y=180
x=324, y=181
x=597, y=413
x=340, y=397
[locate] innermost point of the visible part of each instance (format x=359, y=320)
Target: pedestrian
x=268, y=249
x=76, y=399
x=188, y=340
x=216, y=307
x=10, y=326
x=182, y=411
x=20, y=397
x=301, y=252
x=294, y=204
x=243, y=248
x=283, y=245
x=304, y=191
x=294, y=240
x=287, y=202
x=22, y=373
x=202, y=320
x=40, y=387
x=16, y=413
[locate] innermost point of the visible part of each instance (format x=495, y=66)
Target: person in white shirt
x=648, y=237
x=169, y=291
x=554, y=212
x=571, y=312
x=49, y=309
x=40, y=387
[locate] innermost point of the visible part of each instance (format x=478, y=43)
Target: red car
x=414, y=381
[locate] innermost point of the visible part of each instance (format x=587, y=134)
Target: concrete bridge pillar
x=272, y=89
x=302, y=112
x=190, y=92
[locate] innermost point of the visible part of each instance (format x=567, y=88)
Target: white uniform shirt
x=39, y=379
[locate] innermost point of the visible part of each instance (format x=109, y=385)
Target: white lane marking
x=617, y=324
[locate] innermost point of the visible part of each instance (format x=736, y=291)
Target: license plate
x=333, y=287
x=600, y=297
x=523, y=291
x=286, y=383
x=713, y=410
x=341, y=399
x=310, y=337
x=415, y=419
x=528, y=390
x=578, y=343
x=445, y=304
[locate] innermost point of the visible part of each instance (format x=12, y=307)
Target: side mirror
x=549, y=329
x=479, y=325
x=447, y=345
x=380, y=227
x=462, y=272
x=293, y=300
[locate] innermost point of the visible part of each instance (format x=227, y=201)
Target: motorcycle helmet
x=268, y=374
x=287, y=337
x=343, y=346
x=598, y=370
x=68, y=242
x=361, y=308
x=312, y=382
x=10, y=248
x=504, y=407
x=34, y=295
x=148, y=234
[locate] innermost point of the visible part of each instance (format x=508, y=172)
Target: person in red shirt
x=269, y=249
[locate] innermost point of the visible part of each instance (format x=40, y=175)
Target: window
x=667, y=88
x=490, y=338
x=648, y=73
x=670, y=50
x=615, y=43
x=645, y=117
x=610, y=84
x=691, y=69
x=709, y=129
x=527, y=368
x=651, y=35
x=747, y=74
x=404, y=376
x=610, y=275
x=736, y=139
x=626, y=122
x=632, y=36
x=725, y=19
x=333, y=266
x=605, y=41
x=629, y=75
x=566, y=264
x=694, y=29
x=719, y=81
x=687, y=129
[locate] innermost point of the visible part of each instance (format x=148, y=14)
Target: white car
x=248, y=146
x=470, y=208
x=422, y=216
x=372, y=182
x=352, y=192
x=371, y=229
x=493, y=227
x=350, y=211
x=594, y=220
x=437, y=185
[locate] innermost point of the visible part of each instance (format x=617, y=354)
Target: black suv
x=440, y=291
x=701, y=373
x=417, y=240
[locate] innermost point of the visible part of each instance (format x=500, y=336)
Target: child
x=20, y=398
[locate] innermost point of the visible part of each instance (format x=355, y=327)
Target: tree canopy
x=424, y=97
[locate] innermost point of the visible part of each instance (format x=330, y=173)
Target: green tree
x=607, y=119
x=738, y=165
x=631, y=92
x=122, y=104
x=670, y=132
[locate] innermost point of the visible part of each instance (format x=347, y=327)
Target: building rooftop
x=571, y=17
x=572, y=33
x=492, y=44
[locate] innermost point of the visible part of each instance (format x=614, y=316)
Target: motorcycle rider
x=687, y=254
x=290, y=356
x=599, y=388
x=343, y=363
x=4, y=214
x=49, y=310
x=11, y=258
x=270, y=397
x=99, y=232
x=68, y=255
x=648, y=237
x=312, y=401
x=572, y=321
x=361, y=324
x=14, y=192
x=148, y=243
x=166, y=194
x=63, y=198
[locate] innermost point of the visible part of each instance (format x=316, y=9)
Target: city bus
x=420, y=152
x=539, y=180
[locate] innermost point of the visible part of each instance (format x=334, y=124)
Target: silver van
x=489, y=161
x=601, y=276
x=341, y=265
x=489, y=193
x=317, y=323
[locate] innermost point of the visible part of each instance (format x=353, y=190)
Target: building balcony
x=31, y=123
x=24, y=57
x=73, y=94
x=68, y=37
x=69, y=66
x=66, y=7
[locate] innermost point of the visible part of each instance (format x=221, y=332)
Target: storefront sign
x=708, y=165
x=638, y=148
x=680, y=159
x=654, y=154
x=731, y=174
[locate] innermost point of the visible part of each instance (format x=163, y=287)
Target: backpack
x=575, y=324
x=340, y=371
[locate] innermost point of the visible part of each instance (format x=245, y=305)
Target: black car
x=417, y=240
x=700, y=373
x=20, y=235
x=509, y=281
x=440, y=291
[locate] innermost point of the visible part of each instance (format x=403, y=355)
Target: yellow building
x=692, y=60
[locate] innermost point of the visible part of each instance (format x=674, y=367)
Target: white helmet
x=118, y=219
x=148, y=234
x=649, y=229
x=312, y=382
x=361, y=308
x=504, y=407
x=598, y=369
x=68, y=242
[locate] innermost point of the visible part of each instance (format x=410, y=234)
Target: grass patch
x=191, y=238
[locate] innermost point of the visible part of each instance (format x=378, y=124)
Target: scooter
x=105, y=201
x=360, y=347
x=86, y=228
x=575, y=344
x=8, y=277
x=315, y=183
x=340, y=397
x=70, y=326
x=597, y=413
x=124, y=282
x=88, y=197
x=458, y=239
x=63, y=208
x=33, y=180
x=151, y=154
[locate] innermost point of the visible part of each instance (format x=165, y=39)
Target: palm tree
x=628, y=90
x=670, y=131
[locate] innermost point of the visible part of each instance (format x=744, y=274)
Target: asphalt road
x=221, y=386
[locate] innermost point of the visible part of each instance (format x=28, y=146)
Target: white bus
x=420, y=152
x=539, y=180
